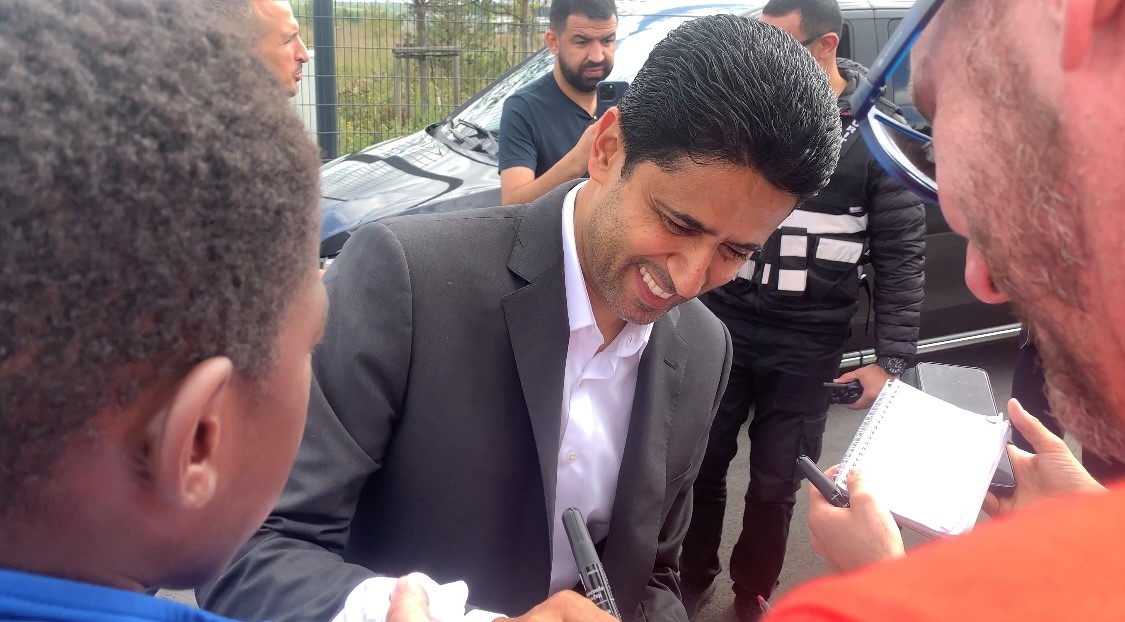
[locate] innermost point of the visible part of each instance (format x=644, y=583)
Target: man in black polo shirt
x=546, y=130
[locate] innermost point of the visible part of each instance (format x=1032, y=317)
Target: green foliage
x=487, y=33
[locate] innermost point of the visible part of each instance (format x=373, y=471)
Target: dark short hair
x=235, y=13
x=592, y=9
x=238, y=17
x=150, y=216
x=728, y=89
x=818, y=17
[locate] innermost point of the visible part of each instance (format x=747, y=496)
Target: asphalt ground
x=802, y=563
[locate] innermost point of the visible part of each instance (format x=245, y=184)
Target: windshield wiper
x=483, y=141
x=473, y=126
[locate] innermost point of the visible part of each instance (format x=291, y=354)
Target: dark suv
x=451, y=165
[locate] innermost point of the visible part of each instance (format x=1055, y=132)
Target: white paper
x=928, y=461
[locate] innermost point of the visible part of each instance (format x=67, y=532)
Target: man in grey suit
x=482, y=371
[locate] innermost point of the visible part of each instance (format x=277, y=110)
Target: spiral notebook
x=928, y=461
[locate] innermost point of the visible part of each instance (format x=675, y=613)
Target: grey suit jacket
x=434, y=428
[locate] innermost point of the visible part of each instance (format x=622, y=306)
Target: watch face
x=894, y=366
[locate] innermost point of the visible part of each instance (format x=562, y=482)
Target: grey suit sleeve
x=661, y=598
x=292, y=568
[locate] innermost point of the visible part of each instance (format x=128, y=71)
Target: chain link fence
x=396, y=66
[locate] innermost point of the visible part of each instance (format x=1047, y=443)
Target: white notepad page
x=928, y=461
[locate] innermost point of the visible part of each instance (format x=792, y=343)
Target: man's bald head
x=274, y=31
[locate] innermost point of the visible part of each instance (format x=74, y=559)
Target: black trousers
x=790, y=410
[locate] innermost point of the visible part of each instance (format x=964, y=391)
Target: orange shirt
x=1063, y=559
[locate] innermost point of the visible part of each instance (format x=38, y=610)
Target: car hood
x=393, y=177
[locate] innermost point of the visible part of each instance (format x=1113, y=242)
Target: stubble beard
x=1029, y=230
x=605, y=246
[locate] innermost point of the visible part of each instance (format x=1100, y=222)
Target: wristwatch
x=893, y=364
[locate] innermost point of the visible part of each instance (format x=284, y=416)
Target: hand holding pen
x=853, y=536
x=823, y=484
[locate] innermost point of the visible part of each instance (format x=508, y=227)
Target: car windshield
x=638, y=31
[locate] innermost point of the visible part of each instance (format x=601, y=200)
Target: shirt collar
x=634, y=337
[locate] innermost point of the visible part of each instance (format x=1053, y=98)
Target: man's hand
x=565, y=606
x=853, y=537
x=519, y=184
x=409, y=603
x=1051, y=471
x=872, y=377
x=577, y=160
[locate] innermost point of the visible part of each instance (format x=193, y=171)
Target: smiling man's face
x=659, y=236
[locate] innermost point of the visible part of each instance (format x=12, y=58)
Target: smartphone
x=971, y=389
x=609, y=93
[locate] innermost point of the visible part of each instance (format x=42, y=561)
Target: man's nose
x=597, y=52
x=689, y=271
x=302, y=51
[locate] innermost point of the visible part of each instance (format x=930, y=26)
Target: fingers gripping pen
x=819, y=480
x=590, y=568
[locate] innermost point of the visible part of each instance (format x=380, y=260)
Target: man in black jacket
x=789, y=313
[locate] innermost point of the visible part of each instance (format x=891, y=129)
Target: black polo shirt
x=539, y=125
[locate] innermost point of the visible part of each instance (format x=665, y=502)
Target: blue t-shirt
x=539, y=125
x=37, y=598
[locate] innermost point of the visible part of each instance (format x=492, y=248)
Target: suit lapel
x=639, y=502
x=539, y=328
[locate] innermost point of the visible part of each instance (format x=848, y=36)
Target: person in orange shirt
x=1024, y=98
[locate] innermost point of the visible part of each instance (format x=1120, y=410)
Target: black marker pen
x=590, y=568
x=817, y=478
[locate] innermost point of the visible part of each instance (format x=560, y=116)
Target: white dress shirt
x=597, y=404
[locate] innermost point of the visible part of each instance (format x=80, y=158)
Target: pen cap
x=580, y=542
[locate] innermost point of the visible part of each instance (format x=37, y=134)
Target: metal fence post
x=327, y=118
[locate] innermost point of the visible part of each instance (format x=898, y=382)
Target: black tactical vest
x=808, y=272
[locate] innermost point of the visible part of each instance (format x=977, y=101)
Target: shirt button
x=571, y=456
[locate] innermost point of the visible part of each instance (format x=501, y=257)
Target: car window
x=644, y=32
x=899, y=88
x=637, y=34
x=485, y=111
x=900, y=81
x=844, y=50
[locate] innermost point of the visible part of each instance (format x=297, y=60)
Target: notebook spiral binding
x=866, y=430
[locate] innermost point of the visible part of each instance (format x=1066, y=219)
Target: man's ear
x=830, y=43
x=184, y=441
x=552, y=41
x=607, y=145
x=1081, y=19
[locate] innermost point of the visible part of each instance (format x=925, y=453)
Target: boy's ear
x=607, y=146
x=184, y=442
